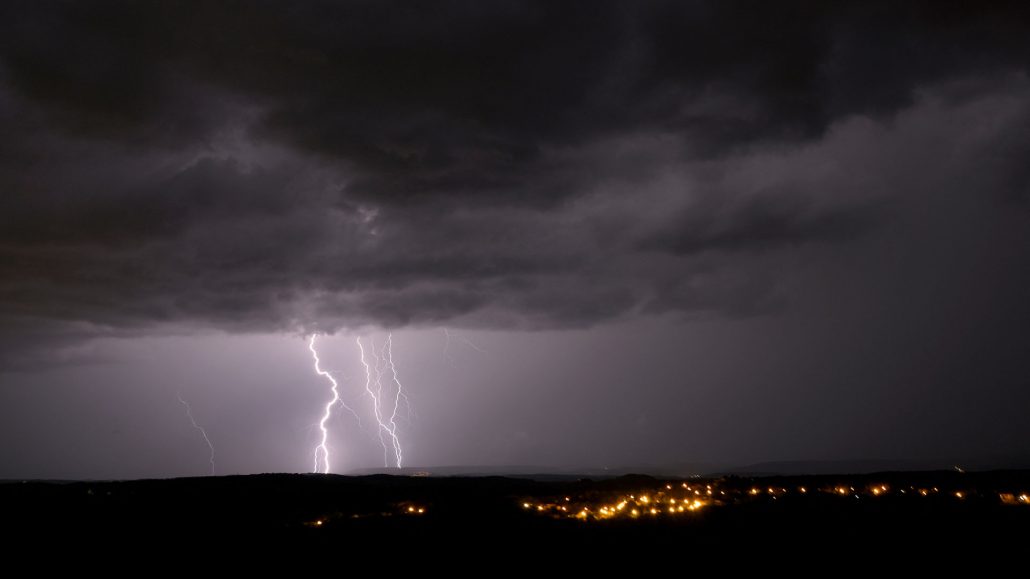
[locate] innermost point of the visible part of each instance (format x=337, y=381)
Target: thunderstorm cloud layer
x=527, y=165
x=838, y=173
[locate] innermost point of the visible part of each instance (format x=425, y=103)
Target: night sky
x=601, y=234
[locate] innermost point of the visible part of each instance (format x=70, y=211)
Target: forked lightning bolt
x=211, y=447
x=387, y=356
x=374, y=371
x=322, y=450
x=377, y=365
x=400, y=394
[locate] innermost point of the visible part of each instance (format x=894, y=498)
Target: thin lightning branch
x=472, y=345
x=322, y=450
x=388, y=350
x=447, y=345
x=211, y=447
x=378, y=366
x=375, y=398
x=409, y=410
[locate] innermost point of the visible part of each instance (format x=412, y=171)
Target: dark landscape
x=911, y=514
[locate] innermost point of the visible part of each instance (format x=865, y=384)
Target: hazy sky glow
x=675, y=232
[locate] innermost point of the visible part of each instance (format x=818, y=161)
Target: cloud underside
x=312, y=167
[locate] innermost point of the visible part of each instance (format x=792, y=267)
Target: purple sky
x=675, y=233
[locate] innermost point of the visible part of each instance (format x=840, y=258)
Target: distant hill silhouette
x=805, y=467
x=538, y=472
x=688, y=469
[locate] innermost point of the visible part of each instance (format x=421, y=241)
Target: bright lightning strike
x=322, y=450
x=388, y=357
x=211, y=447
x=374, y=388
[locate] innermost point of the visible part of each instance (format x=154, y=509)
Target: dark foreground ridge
x=887, y=513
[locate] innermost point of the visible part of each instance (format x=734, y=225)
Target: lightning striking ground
x=374, y=372
x=322, y=450
x=374, y=395
x=211, y=447
x=399, y=394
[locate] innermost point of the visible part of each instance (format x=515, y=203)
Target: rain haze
x=648, y=235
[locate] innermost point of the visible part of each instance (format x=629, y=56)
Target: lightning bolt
x=447, y=345
x=399, y=394
x=211, y=447
x=322, y=450
x=374, y=388
x=472, y=345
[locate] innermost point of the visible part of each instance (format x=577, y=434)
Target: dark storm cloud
x=765, y=223
x=459, y=97
x=262, y=166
